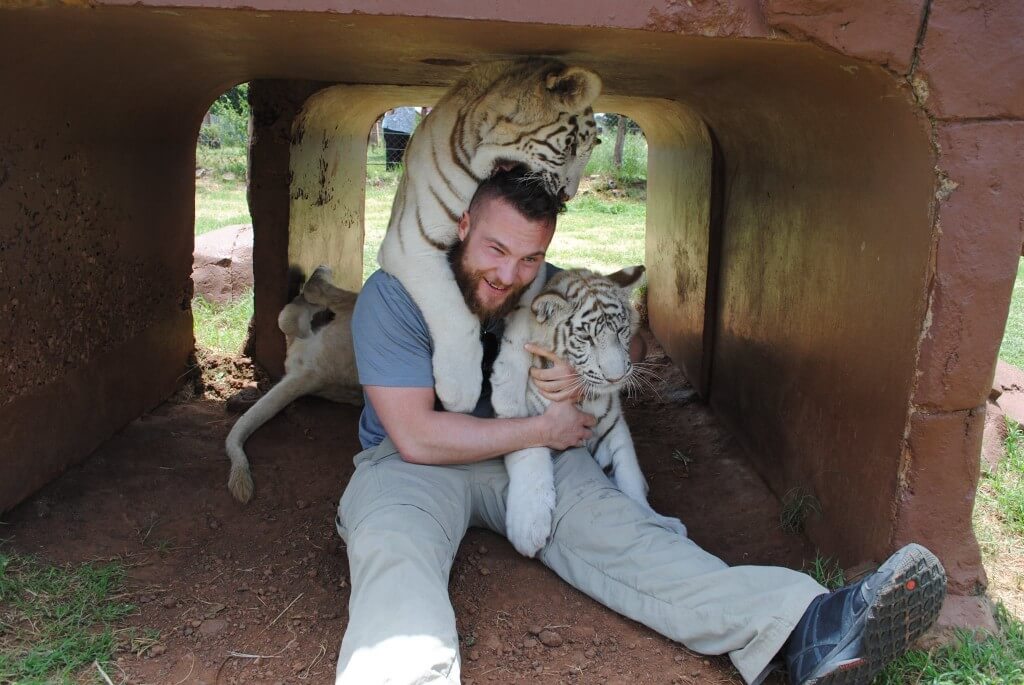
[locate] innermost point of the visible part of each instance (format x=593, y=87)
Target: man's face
x=500, y=253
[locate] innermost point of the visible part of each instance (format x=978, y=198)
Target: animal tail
x=280, y=396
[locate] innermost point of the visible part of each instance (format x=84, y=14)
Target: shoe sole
x=904, y=608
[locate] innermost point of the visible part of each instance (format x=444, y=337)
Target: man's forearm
x=451, y=438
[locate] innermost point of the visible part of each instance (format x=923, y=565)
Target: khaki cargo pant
x=403, y=523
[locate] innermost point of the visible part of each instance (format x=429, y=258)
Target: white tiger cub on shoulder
x=534, y=112
x=586, y=319
x=320, y=361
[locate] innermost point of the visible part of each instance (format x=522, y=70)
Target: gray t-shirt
x=401, y=119
x=393, y=348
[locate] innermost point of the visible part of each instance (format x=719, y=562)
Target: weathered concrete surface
x=981, y=215
x=972, y=61
x=880, y=32
x=844, y=257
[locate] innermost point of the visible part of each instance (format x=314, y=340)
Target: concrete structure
x=835, y=213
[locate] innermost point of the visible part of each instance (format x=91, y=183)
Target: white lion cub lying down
x=587, y=320
x=320, y=361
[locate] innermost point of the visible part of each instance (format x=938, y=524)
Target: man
x=426, y=475
x=398, y=124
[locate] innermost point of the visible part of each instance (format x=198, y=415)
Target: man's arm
x=425, y=436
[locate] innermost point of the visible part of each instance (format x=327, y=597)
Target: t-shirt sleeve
x=391, y=340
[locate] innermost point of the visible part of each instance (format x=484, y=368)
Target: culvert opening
x=222, y=258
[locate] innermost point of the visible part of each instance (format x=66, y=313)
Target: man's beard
x=469, y=282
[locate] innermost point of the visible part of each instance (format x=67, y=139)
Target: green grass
x=797, y=506
x=1005, y=483
x=634, y=158
x=222, y=327
x=994, y=660
x=1012, y=349
x=826, y=571
x=55, y=621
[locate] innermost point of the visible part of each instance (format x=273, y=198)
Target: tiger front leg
x=627, y=475
x=454, y=330
x=530, y=503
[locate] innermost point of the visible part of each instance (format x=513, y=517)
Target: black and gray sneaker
x=846, y=637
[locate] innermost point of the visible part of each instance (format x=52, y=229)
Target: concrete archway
x=797, y=192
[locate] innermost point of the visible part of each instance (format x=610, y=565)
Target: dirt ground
x=226, y=583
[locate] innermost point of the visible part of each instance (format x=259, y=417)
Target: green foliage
x=827, y=572
x=1003, y=486
x=222, y=327
x=1012, y=349
x=55, y=621
x=634, y=159
x=797, y=505
x=992, y=660
x=228, y=120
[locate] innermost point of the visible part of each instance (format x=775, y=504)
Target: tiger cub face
x=537, y=113
x=592, y=322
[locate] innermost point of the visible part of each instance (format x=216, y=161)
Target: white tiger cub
x=320, y=361
x=587, y=320
x=535, y=112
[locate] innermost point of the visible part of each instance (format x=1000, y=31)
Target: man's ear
x=464, y=225
x=628, y=278
x=547, y=305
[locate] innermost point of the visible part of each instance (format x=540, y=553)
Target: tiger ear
x=574, y=87
x=547, y=305
x=628, y=278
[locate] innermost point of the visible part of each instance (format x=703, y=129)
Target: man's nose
x=507, y=272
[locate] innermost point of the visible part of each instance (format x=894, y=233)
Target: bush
x=228, y=120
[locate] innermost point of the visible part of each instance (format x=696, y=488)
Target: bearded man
x=426, y=475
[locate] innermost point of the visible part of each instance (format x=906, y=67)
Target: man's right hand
x=566, y=426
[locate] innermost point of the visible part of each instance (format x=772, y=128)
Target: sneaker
x=846, y=637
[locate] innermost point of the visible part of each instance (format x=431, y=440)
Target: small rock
x=529, y=643
x=484, y=571
x=706, y=662
x=169, y=602
x=301, y=504
x=474, y=655
x=590, y=653
x=212, y=626
x=214, y=525
x=550, y=638
x=297, y=666
x=187, y=631
x=144, y=599
x=482, y=550
x=632, y=645
x=534, y=629
x=196, y=623
x=156, y=650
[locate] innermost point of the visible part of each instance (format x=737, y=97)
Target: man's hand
x=566, y=426
x=558, y=383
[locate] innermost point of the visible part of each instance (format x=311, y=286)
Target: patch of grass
x=223, y=160
x=1012, y=349
x=222, y=327
x=1004, y=485
x=797, y=505
x=634, y=158
x=994, y=660
x=55, y=621
x=826, y=571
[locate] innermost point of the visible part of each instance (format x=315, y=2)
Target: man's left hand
x=560, y=381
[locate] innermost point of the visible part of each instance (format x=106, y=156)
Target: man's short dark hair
x=522, y=189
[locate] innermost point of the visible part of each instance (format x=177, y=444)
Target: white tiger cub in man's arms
x=586, y=319
x=320, y=361
x=534, y=112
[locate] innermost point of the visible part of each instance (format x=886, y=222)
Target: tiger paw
x=528, y=519
x=457, y=378
x=673, y=524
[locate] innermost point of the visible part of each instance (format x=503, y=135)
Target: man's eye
x=529, y=260
x=496, y=250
